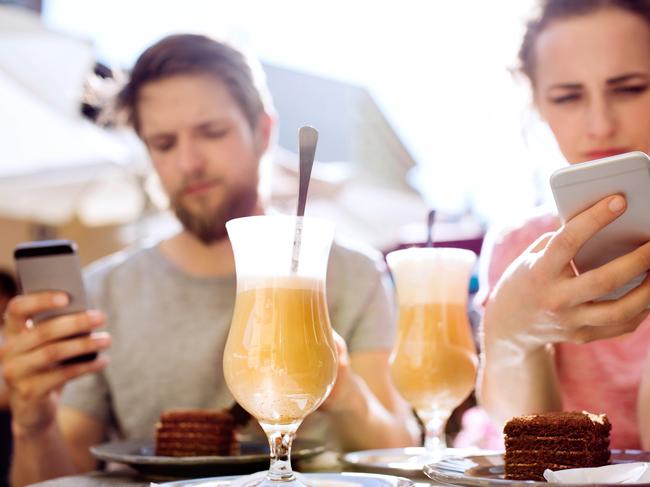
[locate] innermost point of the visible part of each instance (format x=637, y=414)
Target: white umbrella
x=49, y=64
x=51, y=159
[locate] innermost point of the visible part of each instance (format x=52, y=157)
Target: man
x=195, y=104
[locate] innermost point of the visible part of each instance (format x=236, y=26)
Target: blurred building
x=62, y=176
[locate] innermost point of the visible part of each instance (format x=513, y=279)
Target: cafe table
x=118, y=475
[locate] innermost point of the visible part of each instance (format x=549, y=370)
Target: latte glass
x=434, y=361
x=280, y=360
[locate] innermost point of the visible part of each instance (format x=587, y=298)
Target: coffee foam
x=284, y=282
x=426, y=275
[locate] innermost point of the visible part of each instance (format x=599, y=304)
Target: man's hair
x=8, y=286
x=183, y=54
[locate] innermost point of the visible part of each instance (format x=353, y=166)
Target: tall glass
x=280, y=360
x=433, y=361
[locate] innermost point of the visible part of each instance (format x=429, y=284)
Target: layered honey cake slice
x=196, y=432
x=556, y=441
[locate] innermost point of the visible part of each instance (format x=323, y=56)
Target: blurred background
x=415, y=101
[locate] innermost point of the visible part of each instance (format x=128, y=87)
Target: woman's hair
x=196, y=54
x=551, y=10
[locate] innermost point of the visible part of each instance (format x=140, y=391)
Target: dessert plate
x=344, y=479
x=139, y=454
x=488, y=470
x=408, y=462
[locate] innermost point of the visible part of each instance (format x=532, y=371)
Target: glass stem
x=280, y=441
x=435, y=423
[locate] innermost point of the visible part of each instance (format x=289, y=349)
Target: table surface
x=127, y=477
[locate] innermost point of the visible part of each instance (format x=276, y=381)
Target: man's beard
x=209, y=225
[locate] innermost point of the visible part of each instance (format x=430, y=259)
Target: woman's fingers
x=567, y=241
x=626, y=309
x=541, y=242
x=599, y=282
x=586, y=334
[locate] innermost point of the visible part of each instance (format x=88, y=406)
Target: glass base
x=261, y=479
x=427, y=457
x=413, y=458
x=409, y=460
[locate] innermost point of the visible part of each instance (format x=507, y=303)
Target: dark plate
x=488, y=470
x=139, y=454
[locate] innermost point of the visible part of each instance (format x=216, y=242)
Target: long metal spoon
x=307, y=140
x=431, y=217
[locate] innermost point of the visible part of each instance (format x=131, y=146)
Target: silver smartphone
x=579, y=186
x=53, y=265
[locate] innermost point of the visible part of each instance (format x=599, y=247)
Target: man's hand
x=336, y=400
x=30, y=357
x=368, y=411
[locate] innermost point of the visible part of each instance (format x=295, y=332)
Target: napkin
x=621, y=473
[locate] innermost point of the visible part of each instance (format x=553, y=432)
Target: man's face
x=204, y=150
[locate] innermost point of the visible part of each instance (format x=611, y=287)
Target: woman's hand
x=31, y=356
x=540, y=300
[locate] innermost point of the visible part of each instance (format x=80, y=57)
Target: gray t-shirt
x=169, y=330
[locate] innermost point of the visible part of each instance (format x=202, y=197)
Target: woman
x=546, y=344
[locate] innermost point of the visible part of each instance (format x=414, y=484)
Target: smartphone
x=579, y=186
x=53, y=265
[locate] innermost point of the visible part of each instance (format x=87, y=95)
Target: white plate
x=345, y=479
x=139, y=454
x=399, y=461
x=488, y=470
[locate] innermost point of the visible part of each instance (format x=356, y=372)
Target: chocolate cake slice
x=196, y=432
x=557, y=441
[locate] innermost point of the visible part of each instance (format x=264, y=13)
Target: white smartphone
x=53, y=265
x=579, y=186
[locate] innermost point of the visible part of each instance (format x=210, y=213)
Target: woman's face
x=592, y=83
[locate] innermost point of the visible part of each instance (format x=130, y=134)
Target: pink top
x=601, y=376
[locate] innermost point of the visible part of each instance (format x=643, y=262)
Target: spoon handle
x=307, y=138
x=431, y=217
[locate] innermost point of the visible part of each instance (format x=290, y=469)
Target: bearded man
x=166, y=309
